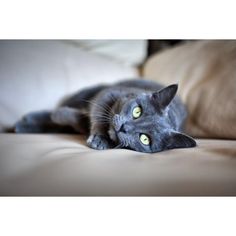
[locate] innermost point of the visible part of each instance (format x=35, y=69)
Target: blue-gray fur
x=104, y=113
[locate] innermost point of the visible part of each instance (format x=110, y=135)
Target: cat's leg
x=98, y=138
x=77, y=119
x=36, y=122
x=62, y=120
x=100, y=119
x=99, y=142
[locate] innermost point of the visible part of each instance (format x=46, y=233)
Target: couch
x=36, y=75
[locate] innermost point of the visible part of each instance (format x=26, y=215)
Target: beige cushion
x=36, y=75
x=206, y=74
x=64, y=165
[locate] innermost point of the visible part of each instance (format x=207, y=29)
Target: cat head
x=143, y=122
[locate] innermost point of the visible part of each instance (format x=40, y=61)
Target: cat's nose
x=119, y=124
x=124, y=128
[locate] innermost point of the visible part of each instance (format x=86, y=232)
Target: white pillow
x=36, y=75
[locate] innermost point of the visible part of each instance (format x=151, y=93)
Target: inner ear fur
x=163, y=97
x=179, y=140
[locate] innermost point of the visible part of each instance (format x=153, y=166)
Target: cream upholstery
x=63, y=165
x=35, y=75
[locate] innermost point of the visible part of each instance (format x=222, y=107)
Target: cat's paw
x=33, y=122
x=23, y=126
x=20, y=127
x=98, y=142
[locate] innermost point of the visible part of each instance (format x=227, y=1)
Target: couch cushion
x=64, y=165
x=128, y=52
x=36, y=75
x=206, y=74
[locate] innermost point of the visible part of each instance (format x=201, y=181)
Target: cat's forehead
x=149, y=110
x=154, y=123
x=142, y=99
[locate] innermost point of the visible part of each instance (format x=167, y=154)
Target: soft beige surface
x=37, y=74
x=63, y=165
x=206, y=74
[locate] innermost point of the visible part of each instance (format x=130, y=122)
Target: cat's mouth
x=118, y=138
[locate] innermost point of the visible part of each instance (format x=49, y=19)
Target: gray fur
x=104, y=113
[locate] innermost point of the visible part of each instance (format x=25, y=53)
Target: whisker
x=118, y=146
x=103, y=116
x=107, y=118
x=109, y=109
x=100, y=119
x=96, y=104
x=99, y=115
x=105, y=107
x=101, y=106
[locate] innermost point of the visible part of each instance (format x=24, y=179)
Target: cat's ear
x=179, y=140
x=163, y=97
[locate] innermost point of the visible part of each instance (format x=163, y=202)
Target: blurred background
x=37, y=74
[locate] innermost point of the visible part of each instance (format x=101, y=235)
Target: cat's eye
x=137, y=112
x=144, y=139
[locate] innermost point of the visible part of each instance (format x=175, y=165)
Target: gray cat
x=136, y=114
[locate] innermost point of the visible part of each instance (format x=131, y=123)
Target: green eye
x=137, y=112
x=144, y=139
